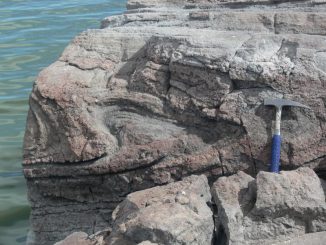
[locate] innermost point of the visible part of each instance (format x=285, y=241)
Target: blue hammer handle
x=276, y=143
x=276, y=152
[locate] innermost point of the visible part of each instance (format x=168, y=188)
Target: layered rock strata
x=166, y=90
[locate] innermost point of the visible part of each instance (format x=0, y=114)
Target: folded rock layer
x=166, y=90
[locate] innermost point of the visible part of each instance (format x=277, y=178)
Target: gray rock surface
x=82, y=238
x=76, y=238
x=147, y=243
x=173, y=214
x=166, y=90
x=317, y=238
x=270, y=208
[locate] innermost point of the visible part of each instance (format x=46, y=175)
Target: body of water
x=33, y=33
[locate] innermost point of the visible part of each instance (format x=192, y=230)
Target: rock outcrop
x=166, y=90
x=177, y=213
x=285, y=208
x=270, y=208
x=173, y=214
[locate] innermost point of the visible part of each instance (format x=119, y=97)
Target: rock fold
x=166, y=90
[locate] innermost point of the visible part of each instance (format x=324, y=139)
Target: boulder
x=271, y=208
x=166, y=90
x=173, y=214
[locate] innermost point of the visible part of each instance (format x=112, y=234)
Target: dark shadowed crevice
x=247, y=198
x=244, y=84
x=321, y=172
x=214, y=210
x=220, y=237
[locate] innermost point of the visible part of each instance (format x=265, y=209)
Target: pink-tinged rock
x=170, y=89
x=271, y=208
x=173, y=214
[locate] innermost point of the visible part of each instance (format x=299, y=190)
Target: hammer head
x=279, y=103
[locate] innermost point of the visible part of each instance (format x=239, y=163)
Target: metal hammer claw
x=276, y=144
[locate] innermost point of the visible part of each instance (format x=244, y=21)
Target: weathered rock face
x=173, y=214
x=81, y=238
x=270, y=208
x=76, y=238
x=162, y=93
x=317, y=238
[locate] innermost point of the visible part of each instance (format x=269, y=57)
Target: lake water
x=33, y=33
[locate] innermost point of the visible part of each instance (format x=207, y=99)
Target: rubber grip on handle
x=276, y=152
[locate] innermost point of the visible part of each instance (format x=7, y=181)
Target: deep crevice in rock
x=220, y=238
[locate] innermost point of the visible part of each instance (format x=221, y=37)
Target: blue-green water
x=33, y=33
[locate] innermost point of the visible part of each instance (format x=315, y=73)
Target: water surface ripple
x=33, y=33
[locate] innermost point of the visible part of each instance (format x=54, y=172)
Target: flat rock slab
x=271, y=208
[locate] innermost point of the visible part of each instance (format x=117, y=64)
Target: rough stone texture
x=76, y=238
x=147, y=243
x=165, y=92
x=173, y=214
x=81, y=238
x=274, y=207
x=234, y=197
x=317, y=238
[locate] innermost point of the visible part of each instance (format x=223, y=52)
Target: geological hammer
x=276, y=142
